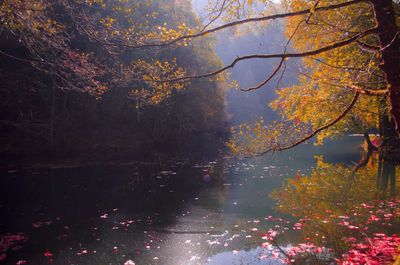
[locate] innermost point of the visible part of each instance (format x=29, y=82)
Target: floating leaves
x=11, y=242
x=129, y=262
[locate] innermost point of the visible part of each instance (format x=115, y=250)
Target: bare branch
x=391, y=42
x=266, y=80
x=19, y=59
x=221, y=10
x=282, y=60
x=367, y=47
x=276, y=55
x=245, y=21
x=318, y=130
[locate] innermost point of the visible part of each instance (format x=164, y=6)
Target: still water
x=169, y=212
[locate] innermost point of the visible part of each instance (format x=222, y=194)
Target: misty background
x=231, y=43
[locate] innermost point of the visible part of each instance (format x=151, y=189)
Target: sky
x=199, y=6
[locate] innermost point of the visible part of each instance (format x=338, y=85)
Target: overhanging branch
x=369, y=92
x=246, y=21
x=315, y=132
x=266, y=80
x=283, y=56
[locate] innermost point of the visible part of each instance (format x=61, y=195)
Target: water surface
x=174, y=212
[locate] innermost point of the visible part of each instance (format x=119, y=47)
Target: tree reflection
x=341, y=207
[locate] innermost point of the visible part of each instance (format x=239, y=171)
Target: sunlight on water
x=210, y=213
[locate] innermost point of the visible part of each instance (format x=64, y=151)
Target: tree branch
x=318, y=130
x=367, y=47
x=212, y=20
x=266, y=80
x=245, y=21
x=369, y=92
x=19, y=59
x=277, y=55
x=356, y=87
x=346, y=68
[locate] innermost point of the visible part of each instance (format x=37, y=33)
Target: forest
x=210, y=132
x=68, y=94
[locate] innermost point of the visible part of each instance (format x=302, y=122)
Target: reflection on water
x=183, y=213
x=344, y=207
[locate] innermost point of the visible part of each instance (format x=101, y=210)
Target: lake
x=169, y=212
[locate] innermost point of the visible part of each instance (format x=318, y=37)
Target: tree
x=353, y=67
x=341, y=205
x=70, y=83
x=341, y=40
x=352, y=49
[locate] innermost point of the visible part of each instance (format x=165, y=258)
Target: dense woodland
x=67, y=94
x=91, y=73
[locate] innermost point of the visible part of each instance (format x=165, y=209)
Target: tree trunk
x=386, y=175
x=64, y=120
x=390, y=140
x=387, y=129
x=390, y=45
x=52, y=112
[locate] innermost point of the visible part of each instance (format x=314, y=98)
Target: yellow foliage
x=326, y=83
x=155, y=76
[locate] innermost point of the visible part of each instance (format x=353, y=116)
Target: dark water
x=174, y=213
